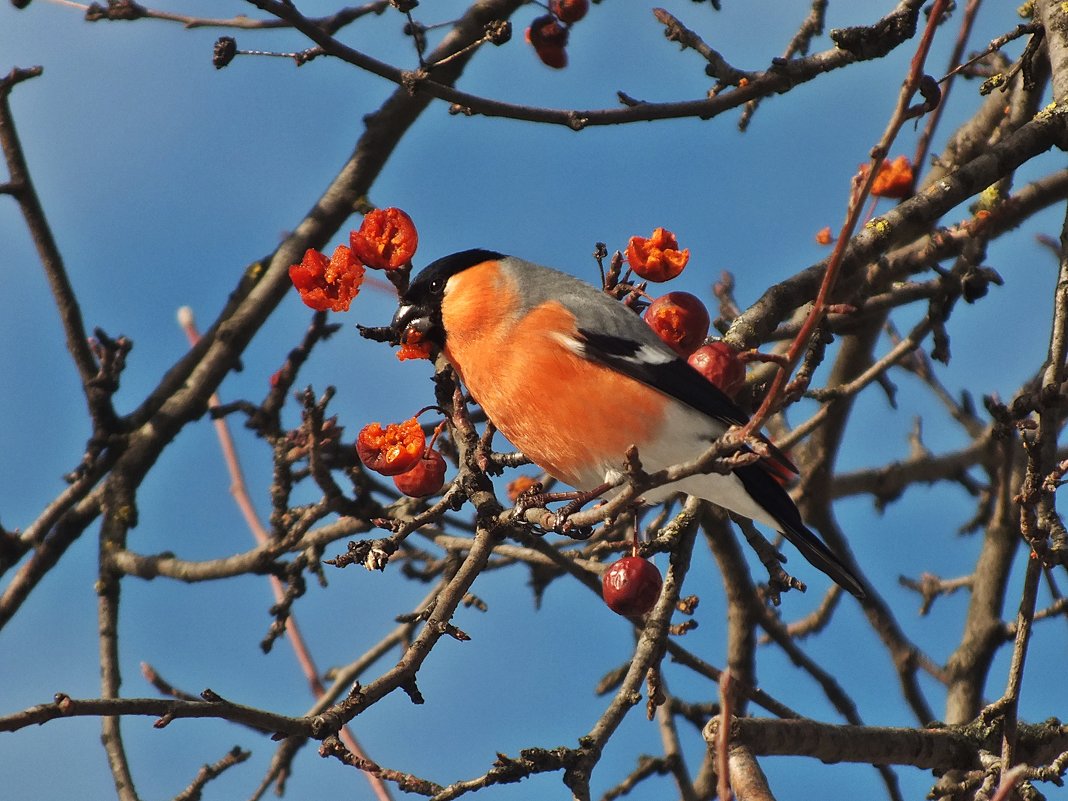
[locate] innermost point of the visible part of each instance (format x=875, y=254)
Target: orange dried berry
x=413, y=350
x=824, y=236
x=391, y=450
x=414, y=346
x=569, y=11
x=386, y=240
x=327, y=283
x=517, y=486
x=894, y=178
x=657, y=258
x=549, y=38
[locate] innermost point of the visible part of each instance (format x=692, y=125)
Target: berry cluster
x=679, y=318
x=631, y=585
x=400, y=450
x=386, y=240
x=548, y=34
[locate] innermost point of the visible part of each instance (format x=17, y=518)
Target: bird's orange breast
x=572, y=417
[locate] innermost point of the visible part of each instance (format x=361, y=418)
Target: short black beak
x=410, y=317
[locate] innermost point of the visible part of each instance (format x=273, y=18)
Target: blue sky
x=163, y=177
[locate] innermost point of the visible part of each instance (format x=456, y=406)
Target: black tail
x=770, y=494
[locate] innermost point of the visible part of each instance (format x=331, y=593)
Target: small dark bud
x=931, y=92
x=499, y=31
x=973, y=286
x=224, y=51
x=975, y=283
x=124, y=10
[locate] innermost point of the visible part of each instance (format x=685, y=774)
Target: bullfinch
x=573, y=378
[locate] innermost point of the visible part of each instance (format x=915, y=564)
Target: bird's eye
x=436, y=286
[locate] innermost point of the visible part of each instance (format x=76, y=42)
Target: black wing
x=771, y=495
x=662, y=369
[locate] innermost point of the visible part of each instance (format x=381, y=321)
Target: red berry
x=549, y=38
x=680, y=319
x=546, y=30
x=555, y=57
x=426, y=478
x=631, y=586
x=719, y=363
x=569, y=10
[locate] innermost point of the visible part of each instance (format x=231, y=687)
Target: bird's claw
x=530, y=498
x=558, y=522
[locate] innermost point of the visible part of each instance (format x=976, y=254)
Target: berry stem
x=426, y=409
x=437, y=430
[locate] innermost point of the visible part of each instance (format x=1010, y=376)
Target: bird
x=573, y=378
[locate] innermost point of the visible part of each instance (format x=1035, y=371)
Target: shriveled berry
x=719, y=363
x=549, y=40
x=414, y=345
x=569, y=10
x=410, y=350
x=555, y=57
x=546, y=30
x=680, y=319
x=894, y=179
x=426, y=478
x=327, y=283
x=631, y=586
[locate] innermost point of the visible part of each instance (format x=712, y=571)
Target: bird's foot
x=779, y=581
x=559, y=521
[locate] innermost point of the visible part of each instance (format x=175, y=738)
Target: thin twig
x=112, y=533
x=22, y=188
x=239, y=490
x=773, y=81
x=130, y=10
x=923, y=144
x=830, y=277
